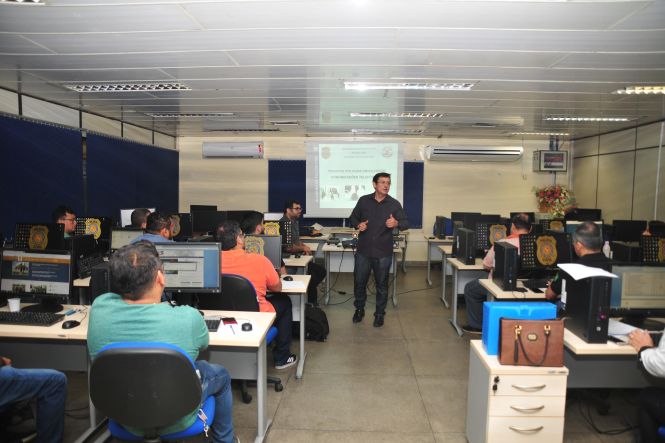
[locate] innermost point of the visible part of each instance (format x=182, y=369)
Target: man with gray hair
x=587, y=243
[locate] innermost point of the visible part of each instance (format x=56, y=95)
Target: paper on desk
x=618, y=329
x=579, y=272
x=317, y=226
x=293, y=284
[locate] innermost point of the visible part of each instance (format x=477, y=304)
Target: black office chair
x=238, y=294
x=148, y=386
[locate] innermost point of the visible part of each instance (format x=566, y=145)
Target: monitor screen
x=584, y=214
x=638, y=287
x=269, y=246
x=628, y=230
x=207, y=221
x=126, y=216
x=194, y=208
x=123, y=236
x=32, y=275
x=191, y=267
x=544, y=251
x=272, y=216
x=39, y=236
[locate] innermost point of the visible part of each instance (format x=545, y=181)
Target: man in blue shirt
x=158, y=229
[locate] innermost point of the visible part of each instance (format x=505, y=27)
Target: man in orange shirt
x=261, y=273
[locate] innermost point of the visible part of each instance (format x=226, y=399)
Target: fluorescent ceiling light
x=397, y=114
x=190, y=114
x=564, y=134
x=364, y=86
x=285, y=123
x=641, y=90
x=243, y=130
x=564, y=118
x=127, y=87
x=387, y=131
x=24, y=2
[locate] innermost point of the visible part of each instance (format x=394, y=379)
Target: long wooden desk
x=242, y=353
x=298, y=298
x=342, y=256
x=433, y=245
x=462, y=273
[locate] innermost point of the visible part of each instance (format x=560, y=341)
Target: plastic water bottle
x=606, y=250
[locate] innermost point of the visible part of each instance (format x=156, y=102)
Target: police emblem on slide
x=38, y=238
x=556, y=225
x=254, y=245
x=271, y=228
x=93, y=226
x=497, y=232
x=661, y=250
x=175, y=222
x=546, y=250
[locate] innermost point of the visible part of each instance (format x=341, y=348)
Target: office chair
x=238, y=294
x=148, y=386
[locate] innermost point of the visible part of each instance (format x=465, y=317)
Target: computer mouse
x=69, y=324
x=287, y=278
x=297, y=256
x=246, y=326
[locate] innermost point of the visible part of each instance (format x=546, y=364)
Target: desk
x=299, y=264
x=315, y=243
x=445, y=251
x=462, y=273
x=243, y=354
x=433, y=247
x=299, y=314
x=341, y=257
x=499, y=294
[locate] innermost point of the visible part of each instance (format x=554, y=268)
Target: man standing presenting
x=375, y=216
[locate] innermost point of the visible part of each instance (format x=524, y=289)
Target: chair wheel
x=246, y=398
x=279, y=387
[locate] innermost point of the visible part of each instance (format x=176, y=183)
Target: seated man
x=65, y=216
x=258, y=270
x=132, y=312
x=474, y=293
x=157, y=229
x=139, y=218
x=587, y=243
x=47, y=386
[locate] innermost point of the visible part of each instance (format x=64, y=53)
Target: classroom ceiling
x=287, y=61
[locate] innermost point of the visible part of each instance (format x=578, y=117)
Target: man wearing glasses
x=293, y=245
x=65, y=216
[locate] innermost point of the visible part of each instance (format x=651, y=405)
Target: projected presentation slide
x=338, y=174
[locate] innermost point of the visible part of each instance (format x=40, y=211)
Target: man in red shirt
x=261, y=273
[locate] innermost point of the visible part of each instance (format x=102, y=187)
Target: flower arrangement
x=555, y=199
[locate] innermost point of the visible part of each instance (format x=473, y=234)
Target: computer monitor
x=544, y=251
x=655, y=228
x=505, y=266
x=638, y=292
x=195, y=208
x=272, y=216
x=536, y=228
x=37, y=276
x=466, y=246
x=459, y=216
x=182, y=226
x=653, y=250
x=123, y=236
x=81, y=247
x=532, y=215
x=571, y=226
x=443, y=227
x=39, y=236
x=269, y=246
x=98, y=227
x=191, y=267
x=238, y=216
x=470, y=220
x=487, y=233
x=126, y=216
x=628, y=230
x=584, y=214
x=207, y=221
x=555, y=224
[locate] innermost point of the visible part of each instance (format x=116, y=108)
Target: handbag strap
x=518, y=340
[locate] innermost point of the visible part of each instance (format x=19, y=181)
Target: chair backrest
x=145, y=386
x=238, y=294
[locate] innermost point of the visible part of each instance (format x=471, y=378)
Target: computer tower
x=100, y=282
x=466, y=246
x=588, y=307
x=505, y=266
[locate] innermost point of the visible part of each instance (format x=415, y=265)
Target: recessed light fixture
x=285, y=123
x=127, y=87
x=641, y=90
x=563, y=118
x=364, y=86
x=387, y=131
x=190, y=114
x=564, y=134
x=396, y=114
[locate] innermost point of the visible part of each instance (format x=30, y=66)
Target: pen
x=232, y=330
x=70, y=312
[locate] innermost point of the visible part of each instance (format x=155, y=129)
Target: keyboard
x=535, y=283
x=85, y=264
x=212, y=323
x=30, y=318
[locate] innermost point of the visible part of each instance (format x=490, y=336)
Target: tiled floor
x=405, y=382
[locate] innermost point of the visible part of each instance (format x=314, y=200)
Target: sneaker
x=378, y=321
x=471, y=330
x=292, y=360
x=358, y=315
x=236, y=439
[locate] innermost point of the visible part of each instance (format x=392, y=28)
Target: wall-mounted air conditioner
x=473, y=153
x=233, y=149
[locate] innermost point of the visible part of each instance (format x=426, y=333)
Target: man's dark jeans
x=363, y=267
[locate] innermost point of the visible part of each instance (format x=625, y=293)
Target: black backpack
x=316, y=325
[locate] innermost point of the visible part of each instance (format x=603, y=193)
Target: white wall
x=487, y=187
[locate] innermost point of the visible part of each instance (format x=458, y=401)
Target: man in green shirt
x=133, y=312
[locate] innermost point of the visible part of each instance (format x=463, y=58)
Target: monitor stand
x=45, y=305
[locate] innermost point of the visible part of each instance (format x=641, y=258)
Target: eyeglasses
x=297, y=208
x=73, y=219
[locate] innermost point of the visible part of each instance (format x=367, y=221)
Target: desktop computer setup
x=443, y=227
x=182, y=226
x=39, y=236
x=588, y=307
x=85, y=254
x=628, y=230
x=269, y=246
x=98, y=227
x=204, y=222
x=126, y=216
x=638, y=294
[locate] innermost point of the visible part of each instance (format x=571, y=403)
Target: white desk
x=445, y=251
x=433, y=248
x=342, y=260
x=462, y=273
x=299, y=314
x=497, y=293
x=297, y=265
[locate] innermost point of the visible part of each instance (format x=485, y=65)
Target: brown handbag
x=531, y=342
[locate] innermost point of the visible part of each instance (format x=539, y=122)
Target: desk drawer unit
x=513, y=403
